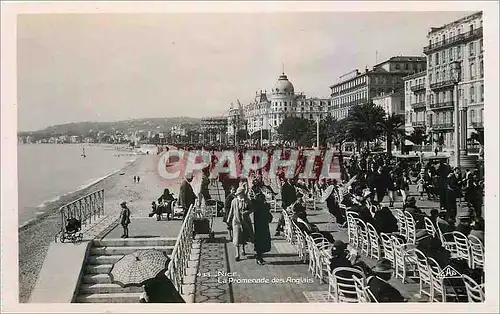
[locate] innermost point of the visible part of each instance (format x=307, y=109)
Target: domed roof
x=283, y=86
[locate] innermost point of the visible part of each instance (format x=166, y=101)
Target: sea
x=46, y=172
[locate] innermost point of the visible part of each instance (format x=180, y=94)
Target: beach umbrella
x=135, y=269
x=327, y=193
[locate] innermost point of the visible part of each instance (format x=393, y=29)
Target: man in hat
x=124, y=219
x=187, y=196
x=453, y=191
x=288, y=197
x=378, y=283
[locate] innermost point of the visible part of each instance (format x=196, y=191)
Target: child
x=421, y=186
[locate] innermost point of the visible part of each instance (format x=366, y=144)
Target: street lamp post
x=456, y=68
x=317, y=131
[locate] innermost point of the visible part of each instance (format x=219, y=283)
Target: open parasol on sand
x=135, y=269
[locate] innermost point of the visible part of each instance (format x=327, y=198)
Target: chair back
x=388, y=247
x=345, y=289
x=352, y=231
x=429, y=226
x=475, y=292
x=463, y=249
x=401, y=222
x=364, y=241
x=410, y=228
x=361, y=290
x=374, y=241
x=477, y=252
x=422, y=266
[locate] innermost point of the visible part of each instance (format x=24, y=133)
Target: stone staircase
x=96, y=285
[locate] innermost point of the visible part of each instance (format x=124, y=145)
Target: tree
x=363, y=123
x=391, y=127
x=293, y=129
x=241, y=135
x=418, y=136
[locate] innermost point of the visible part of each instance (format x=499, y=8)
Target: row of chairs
x=406, y=259
x=345, y=284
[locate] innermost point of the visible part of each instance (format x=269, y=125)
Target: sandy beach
x=35, y=238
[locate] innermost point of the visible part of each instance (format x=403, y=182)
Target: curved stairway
x=96, y=285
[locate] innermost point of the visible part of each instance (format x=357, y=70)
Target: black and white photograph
x=274, y=154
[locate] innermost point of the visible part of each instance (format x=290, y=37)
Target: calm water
x=48, y=171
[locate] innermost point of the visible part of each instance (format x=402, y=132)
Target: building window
x=473, y=115
x=450, y=51
x=407, y=66
x=430, y=77
x=482, y=92
x=436, y=58
x=471, y=49
x=472, y=71
x=472, y=95
x=458, y=52
x=481, y=69
x=480, y=45
x=481, y=115
x=471, y=28
x=443, y=57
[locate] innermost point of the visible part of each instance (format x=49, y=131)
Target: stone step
x=109, y=298
x=123, y=250
x=104, y=259
x=98, y=269
x=135, y=242
x=96, y=278
x=101, y=288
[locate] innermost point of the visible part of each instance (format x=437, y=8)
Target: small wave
x=80, y=188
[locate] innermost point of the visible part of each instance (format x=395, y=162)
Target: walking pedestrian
x=239, y=218
x=124, y=219
x=262, y=218
x=138, y=179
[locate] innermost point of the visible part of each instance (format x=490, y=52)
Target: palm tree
x=363, y=123
x=391, y=127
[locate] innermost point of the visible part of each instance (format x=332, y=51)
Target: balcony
x=417, y=88
x=442, y=105
x=418, y=105
x=418, y=124
x=442, y=84
x=443, y=126
x=477, y=33
x=478, y=125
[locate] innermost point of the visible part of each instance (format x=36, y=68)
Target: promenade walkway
x=284, y=278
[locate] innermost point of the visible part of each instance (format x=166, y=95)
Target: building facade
x=356, y=88
x=214, y=128
x=392, y=103
x=461, y=41
x=415, y=101
x=269, y=110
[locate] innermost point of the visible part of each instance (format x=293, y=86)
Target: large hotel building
x=356, y=88
x=429, y=95
x=269, y=110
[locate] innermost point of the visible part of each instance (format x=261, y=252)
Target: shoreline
x=36, y=235
x=48, y=207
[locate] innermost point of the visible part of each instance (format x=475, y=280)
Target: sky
x=108, y=67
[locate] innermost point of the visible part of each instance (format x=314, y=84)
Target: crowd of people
x=371, y=185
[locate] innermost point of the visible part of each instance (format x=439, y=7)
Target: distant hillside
x=124, y=126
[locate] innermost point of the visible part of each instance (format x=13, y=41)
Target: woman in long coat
x=262, y=217
x=239, y=218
